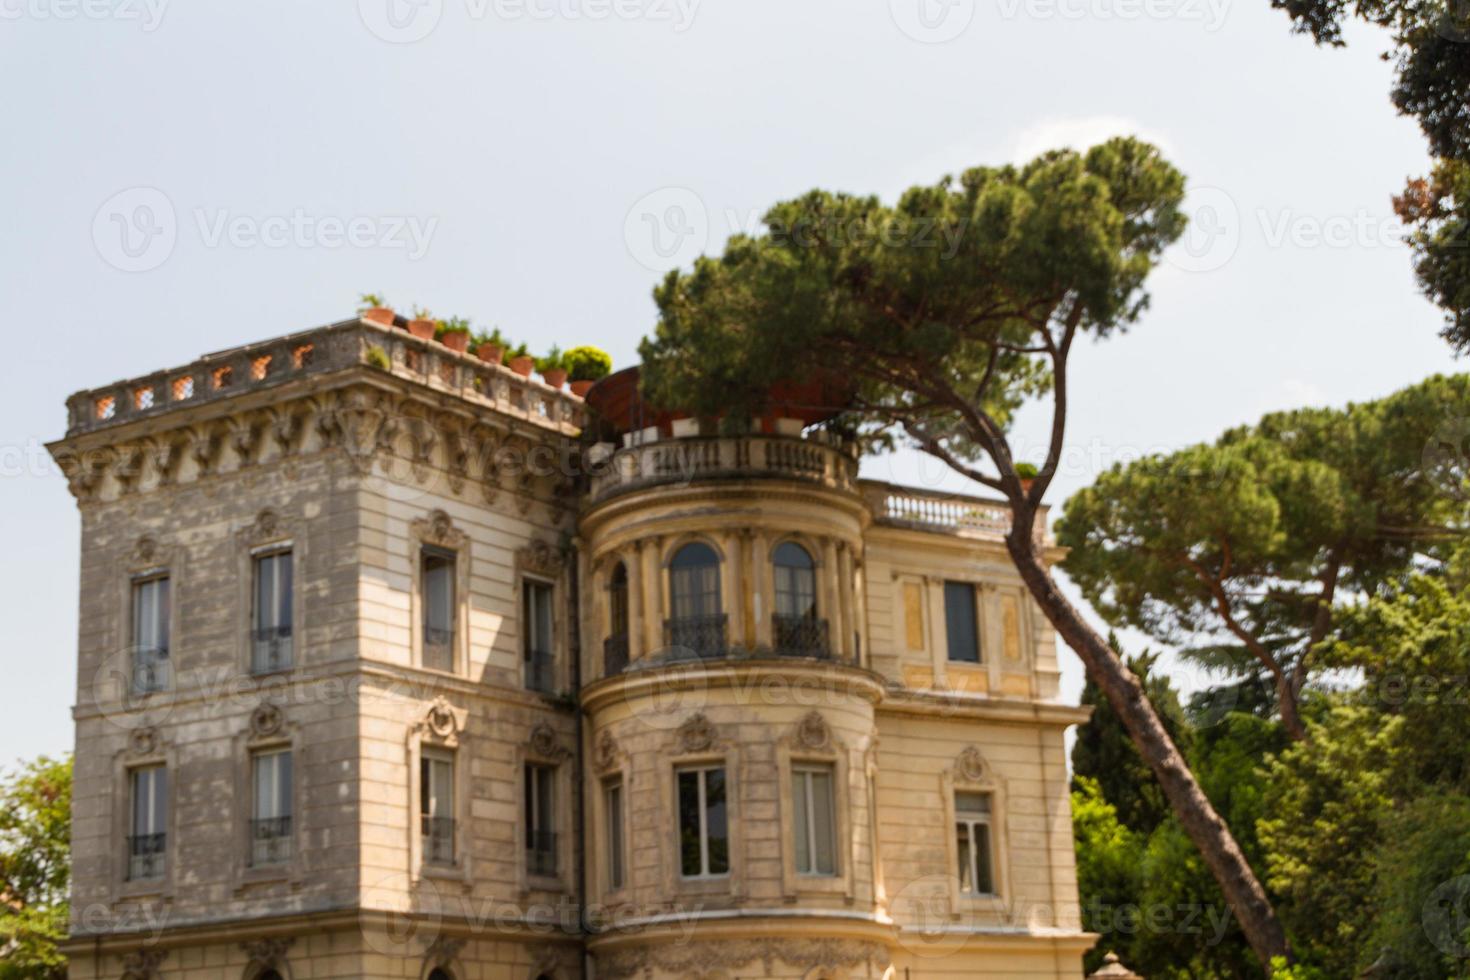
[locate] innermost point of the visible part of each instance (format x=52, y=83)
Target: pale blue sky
x=517, y=139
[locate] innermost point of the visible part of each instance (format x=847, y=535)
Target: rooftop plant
x=371, y=301
x=588, y=364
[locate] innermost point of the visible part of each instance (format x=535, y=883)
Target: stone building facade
x=387, y=670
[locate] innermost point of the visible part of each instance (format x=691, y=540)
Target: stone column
x=829, y=588
x=632, y=558
x=842, y=643
x=732, y=588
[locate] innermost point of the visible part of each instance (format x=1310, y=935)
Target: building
x=385, y=670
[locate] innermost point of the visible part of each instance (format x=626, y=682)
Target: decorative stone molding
x=697, y=734
x=267, y=954
x=267, y=527
x=143, y=964
x=442, y=720
x=438, y=529
x=545, y=744
x=707, y=958
x=606, y=751
x=540, y=558
x=144, y=742
x=146, y=554
x=812, y=732
x=267, y=720
x=971, y=765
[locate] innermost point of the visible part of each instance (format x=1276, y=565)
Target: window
x=612, y=805
x=271, y=633
x=797, y=628
x=813, y=817
x=696, y=624
x=972, y=828
x=615, y=649
x=439, y=602
x=537, y=619
x=270, y=824
x=150, y=634
x=436, y=805
x=148, y=834
x=540, y=820
x=960, y=622
x=704, y=837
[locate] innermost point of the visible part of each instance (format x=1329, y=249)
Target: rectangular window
x=960, y=622
x=439, y=602
x=540, y=820
x=612, y=804
x=537, y=620
x=814, y=820
x=271, y=631
x=972, y=830
x=270, y=823
x=150, y=634
x=704, y=837
x=436, y=805
x=147, y=832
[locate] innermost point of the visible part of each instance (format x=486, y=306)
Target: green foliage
x=588, y=364
x=370, y=301
x=455, y=324
x=35, y=868
x=554, y=360
x=519, y=350
x=1026, y=471
x=420, y=313
x=1437, y=212
x=493, y=337
x=377, y=357
x=1422, y=883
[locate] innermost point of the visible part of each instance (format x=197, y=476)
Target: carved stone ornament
x=540, y=558
x=545, y=744
x=442, y=951
x=145, y=553
x=441, y=718
x=812, y=732
x=143, y=965
x=267, y=525
x=144, y=741
x=267, y=954
x=971, y=765
x=697, y=734
x=605, y=753
x=438, y=529
x=719, y=957
x=266, y=720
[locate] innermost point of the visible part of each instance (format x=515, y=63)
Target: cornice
x=743, y=674
x=972, y=707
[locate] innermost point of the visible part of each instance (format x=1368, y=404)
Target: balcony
x=696, y=637
x=541, y=853
x=818, y=461
x=438, y=839
x=270, y=841
x=615, y=654
x=540, y=672
x=151, y=671
x=944, y=513
x=146, y=856
x=800, y=636
x=271, y=650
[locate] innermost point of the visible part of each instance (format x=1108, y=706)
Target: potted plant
x=520, y=360
x=490, y=347
x=454, y=333
x=585, y=367
x=1027, y=474
x=423, y=325
x=553, y=367
x=374, y=309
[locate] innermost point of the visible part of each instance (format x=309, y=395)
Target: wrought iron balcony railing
x=615, y=654
x=438, y=839
x=146, y=856
x=541, y=853
x=540, y=672
x=270, y=840
x=272, y=649
x=151, y=671
x=696, y=636
x=800, y=636
x=438, y=648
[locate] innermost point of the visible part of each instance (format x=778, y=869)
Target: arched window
x=796, y=628
x=696, y=625
x=615, y=648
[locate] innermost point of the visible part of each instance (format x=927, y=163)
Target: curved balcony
x=682, y=461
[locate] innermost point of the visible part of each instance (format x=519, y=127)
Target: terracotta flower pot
x=523, y=365
x=423, y=329
x=1026, y=482
x=456, y=341
x=490, y=353
x=380, y=315
x=580, y=388
x=556, y=377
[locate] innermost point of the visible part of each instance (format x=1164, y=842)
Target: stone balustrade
x=933, y=510
x=685, y=460
x=321, y=351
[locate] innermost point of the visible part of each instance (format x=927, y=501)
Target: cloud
x=1080, y=133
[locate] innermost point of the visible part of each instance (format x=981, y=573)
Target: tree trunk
x=1204, y=826
x=1288, y=694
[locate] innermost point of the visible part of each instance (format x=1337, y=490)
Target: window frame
x=158, y=797
x=535, y=585
x=972, y=606
x=442, y=759
x=163, y=622
x=257, y=756
x=448, y=561
x=614, y=797
x=701, y=771
x=805, y=771
x=273, y=553
x=530, y=811
x=970, y=820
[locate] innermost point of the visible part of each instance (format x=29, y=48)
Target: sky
x=177, y=179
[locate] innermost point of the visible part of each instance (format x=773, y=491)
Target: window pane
x=796, y=581
x=694, y=582
x=823, y=815
x=967, y=864
x=439, y=601
x=689, y=850
x=972, y=802
x=984, y=881
x=959, y=622
x=613, y=801
x=719, y=842
x=800, y=820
